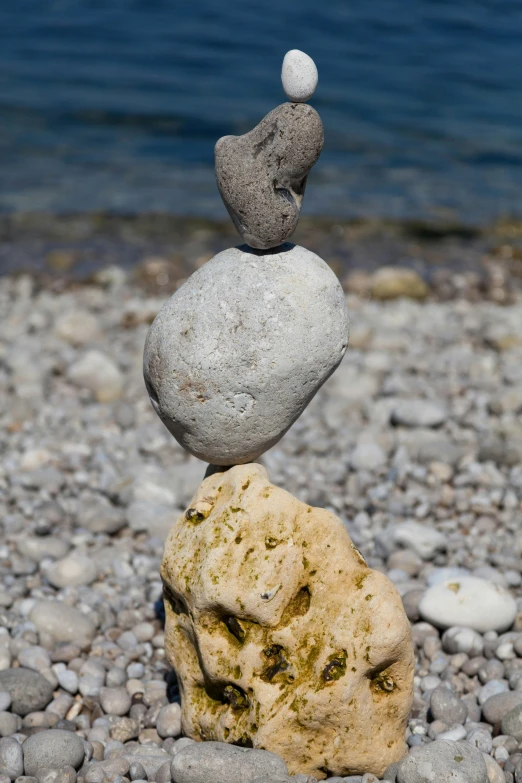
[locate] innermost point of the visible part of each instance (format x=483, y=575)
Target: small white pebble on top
x=299, y=76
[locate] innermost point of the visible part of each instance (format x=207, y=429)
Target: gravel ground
x=416, y=442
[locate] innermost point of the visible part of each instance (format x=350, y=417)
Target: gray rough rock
x=11, y=757
x=445, y=762
x=72, y=571
x=150, y=757
x=497, y=706
x=221, y=763
x=99, y=374
x=29, y=690
x=419, y=538
x=447, y=707
x=54, y=748
x=459, y=639
x=512, y=723
x=169, y=721
x=418, y=413
x=262, y=175
x=63, y=622
x=238, y=352
x=9, y=724
x=115, y=701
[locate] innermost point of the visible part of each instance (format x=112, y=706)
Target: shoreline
x=161, y=250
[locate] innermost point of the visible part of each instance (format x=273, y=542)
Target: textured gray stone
x=512, y=723
x=11, y=757
x=63, y=622
x=222, y=763
x=445, y=762
x=262, y=175
x=418, y=413
x=29, y=690
x=234, y=357
x=54, y=748
x=150, y=757
x=497, y=706
x=447, y=707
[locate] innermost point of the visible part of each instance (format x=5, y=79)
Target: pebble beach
x=415, y=442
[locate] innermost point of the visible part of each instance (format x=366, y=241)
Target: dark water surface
x=115, y=105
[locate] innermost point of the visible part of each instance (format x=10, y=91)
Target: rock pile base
x=281, y=636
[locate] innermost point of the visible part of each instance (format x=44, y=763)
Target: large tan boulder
x=281, y=636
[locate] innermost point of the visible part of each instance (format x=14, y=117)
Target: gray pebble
x=63, y=622
x=52, y=749
x=53, y=775
x=9, y=724
x=115, y=701
x=149, y=756
x=224, y=763
x=490, y=689
x=116, y=677
x=169, y=721
x=418, y=413
x=481, y=739
x=35, y=658
x=184, y=742
x=261, y=175
x=447, y=707
x=74, y=570
x=445, y=762
x=512, y=723
x=11, y=757
x=261, y=383
x=458, y=639
x=29, y=691
x=491, y=670
x=137, y=771
x=163, y=775
x=453, y=734
x=5, y=701
x=497, y=706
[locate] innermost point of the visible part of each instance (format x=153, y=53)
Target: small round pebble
x=169, y=721
x=115, y=701
x=137, y=771
x=447, y=707
x=29, y=691
x=11, y=757
x=52, y=748
x=299, y=76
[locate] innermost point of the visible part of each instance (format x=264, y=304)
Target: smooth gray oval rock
x=261, y=175
x=29, y=691
x=53, y=748
x=512, y=723
x=11, y=757
x=443, y=761
x=234, y=357
x=446, y=706
x=222, y=763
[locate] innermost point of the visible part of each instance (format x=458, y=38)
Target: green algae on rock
x=306, y=655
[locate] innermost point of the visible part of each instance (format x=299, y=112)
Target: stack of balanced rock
x=281, y=636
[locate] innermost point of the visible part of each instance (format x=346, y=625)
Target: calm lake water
x=115, y=105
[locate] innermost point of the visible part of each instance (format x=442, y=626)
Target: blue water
x=115, y=105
